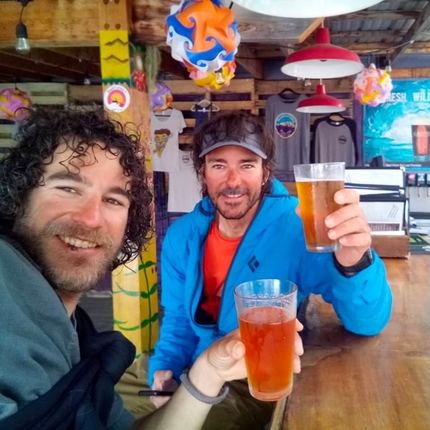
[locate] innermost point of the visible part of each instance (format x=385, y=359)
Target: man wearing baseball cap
x=246, y=228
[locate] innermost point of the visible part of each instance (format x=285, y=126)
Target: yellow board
x=134, y=285
x=114, y=55
x=135, y=300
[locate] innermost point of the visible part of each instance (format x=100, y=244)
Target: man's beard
x=65, y=272
x=231, y=212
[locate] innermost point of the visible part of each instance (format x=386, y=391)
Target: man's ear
x=266, y=175
x=202, y=173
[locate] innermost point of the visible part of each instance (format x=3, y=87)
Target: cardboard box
x=391, y=246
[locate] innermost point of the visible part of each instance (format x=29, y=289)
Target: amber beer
x=268, y=335
x=316, y=186
x=420, y=138
x=316, y=203
x=266, y=312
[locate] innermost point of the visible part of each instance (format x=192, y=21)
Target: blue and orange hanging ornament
x=203, y=36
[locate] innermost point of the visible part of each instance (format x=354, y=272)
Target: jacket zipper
x=217, y=330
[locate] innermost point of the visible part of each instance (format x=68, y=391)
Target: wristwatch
x=365, y=261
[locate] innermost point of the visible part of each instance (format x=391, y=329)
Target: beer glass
x=316, y=187
x=267, y=311
x=420, y=138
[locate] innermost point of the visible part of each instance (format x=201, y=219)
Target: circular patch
x=342, y=140
x=286, y=125
x=116, y=98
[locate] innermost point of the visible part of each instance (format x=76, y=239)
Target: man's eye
x=67, y=189
x=218, y=166
x=248, y=166
x=114, y=202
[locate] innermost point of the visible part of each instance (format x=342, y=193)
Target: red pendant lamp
x=322, y=60
x=321, y=102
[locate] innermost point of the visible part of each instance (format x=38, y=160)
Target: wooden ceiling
x=63, y=35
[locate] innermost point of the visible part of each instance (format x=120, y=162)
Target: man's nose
x=89, y=213
x=233, y=179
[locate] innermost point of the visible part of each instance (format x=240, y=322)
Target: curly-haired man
x=74, y=204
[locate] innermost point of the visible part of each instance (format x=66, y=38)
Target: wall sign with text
x=399, y=129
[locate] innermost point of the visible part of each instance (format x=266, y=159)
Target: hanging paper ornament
x=372, y=86
x=215, y=80
x=162, y=98
x=12, y=102
x=202, y=34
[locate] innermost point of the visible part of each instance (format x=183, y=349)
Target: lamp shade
x=322, y=60
x=305, y=9
x=320, y=103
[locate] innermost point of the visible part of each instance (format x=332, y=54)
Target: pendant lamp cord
x=20, y=15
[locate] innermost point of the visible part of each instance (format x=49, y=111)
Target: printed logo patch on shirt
x=161, y=137
x=286, y=125
x=342, y=140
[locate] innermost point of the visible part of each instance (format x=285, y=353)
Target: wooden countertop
x=351, y=382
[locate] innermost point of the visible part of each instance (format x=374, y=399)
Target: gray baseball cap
x=250, y=142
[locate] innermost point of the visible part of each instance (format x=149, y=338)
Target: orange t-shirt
x=219, y=253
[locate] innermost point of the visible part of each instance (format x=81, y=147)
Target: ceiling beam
x=374, y=35
x=17, y=74
x=24, y=65
x=420, y=24
x=311, y=28
x=389, y=15
x=247, y=59
x=58, y=60
x=90, y=54
x=366, y=48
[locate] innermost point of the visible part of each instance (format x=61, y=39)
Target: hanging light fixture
x=22, y=46
x=320, y=102
x=305, y=9
x=322, y=60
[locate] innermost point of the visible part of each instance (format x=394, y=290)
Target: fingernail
x=331, y=234
x=329, y=221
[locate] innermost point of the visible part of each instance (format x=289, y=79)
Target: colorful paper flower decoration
x=202, y=35
x=12, y=102
x=372, y=86
x=161, y=98
x=215, y=80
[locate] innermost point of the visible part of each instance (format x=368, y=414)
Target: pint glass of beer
x=316, y=187
x=267, y=311
x=420, y=138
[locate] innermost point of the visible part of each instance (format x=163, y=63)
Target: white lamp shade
x=305, y=8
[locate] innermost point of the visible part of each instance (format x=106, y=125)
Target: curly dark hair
x=39, y=136
x=235, y=125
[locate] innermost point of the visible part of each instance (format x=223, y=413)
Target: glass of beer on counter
x=267, y=311
x=316, y=186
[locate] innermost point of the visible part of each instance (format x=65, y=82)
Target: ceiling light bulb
x=388, y=67
x=219, y=78
x=22, y=46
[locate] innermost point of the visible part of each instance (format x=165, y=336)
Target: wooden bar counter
x=351, y=382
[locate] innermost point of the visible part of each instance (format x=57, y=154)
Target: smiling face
x=74, y=223
x=234, y=177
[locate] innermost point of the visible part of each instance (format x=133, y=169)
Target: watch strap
x=365, y=261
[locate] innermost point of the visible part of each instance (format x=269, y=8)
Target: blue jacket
x=272, y=247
